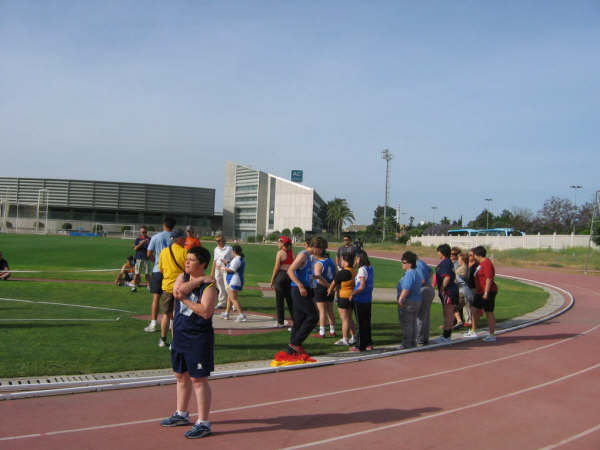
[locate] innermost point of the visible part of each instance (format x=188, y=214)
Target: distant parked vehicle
x=485, y=232
x=463, y=232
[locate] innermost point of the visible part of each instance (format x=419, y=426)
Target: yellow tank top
x=346, y=287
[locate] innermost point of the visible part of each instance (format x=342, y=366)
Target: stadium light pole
x=487, y=221
x=387, y=155
x=575, y=187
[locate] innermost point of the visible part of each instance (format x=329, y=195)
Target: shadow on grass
x=311, y=421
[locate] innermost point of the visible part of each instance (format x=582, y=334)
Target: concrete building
x=29, y=202
x=258, y=203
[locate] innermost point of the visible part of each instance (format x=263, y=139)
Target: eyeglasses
x=453, y=254
x=404, y=262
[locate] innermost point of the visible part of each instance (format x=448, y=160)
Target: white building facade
x=258, y=203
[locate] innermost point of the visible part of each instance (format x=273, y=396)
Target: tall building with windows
x=258, y=203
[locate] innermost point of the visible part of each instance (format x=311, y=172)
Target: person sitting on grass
x=192, y=349
x=4, y=269
x=235, y=283
x=127, y=272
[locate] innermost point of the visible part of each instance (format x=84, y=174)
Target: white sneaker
x=220, y=305
x=162, y=343
x=470, y=333
x=151, y=328
x=241, y=318
x=489, y=338
x=341, y=342
x=130, y=284
x=225, y=316
x=352, y=340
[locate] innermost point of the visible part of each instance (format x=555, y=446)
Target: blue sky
x=474, y=99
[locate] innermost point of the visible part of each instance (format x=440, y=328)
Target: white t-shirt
x=224, y=254
x=362, y=272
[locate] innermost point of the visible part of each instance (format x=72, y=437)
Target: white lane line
x=64, y=271
x=450, y=411
x=59, y=320
x=572, y=438
x=322, y=395
x=63, y=304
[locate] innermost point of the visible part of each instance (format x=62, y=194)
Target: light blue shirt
x=157, y=243
x=425, y=271
x=411, y=282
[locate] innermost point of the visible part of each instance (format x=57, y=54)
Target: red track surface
x=535, y=387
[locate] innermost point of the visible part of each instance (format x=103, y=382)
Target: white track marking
x=64, y=304
x=450, y=411
x=325, y=394
x=64, y=271
x=61, y=320
x=573, y=438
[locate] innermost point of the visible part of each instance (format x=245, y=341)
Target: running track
x=538, y=387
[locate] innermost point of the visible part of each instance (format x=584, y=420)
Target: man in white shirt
x=222, y=256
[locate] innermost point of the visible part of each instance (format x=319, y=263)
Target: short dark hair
x=319, y=242
x=349, y=258
x=130, y=258
x=479, y=251
x=363, y=258
x=169, y=222
x=457, y=251
x=444, y=249
x=201, y=254
x=237, y=249
x=347, y=236
x=410, y=258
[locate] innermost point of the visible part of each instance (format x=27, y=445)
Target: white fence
x=553, y=241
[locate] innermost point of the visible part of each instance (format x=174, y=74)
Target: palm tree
x=338, y=213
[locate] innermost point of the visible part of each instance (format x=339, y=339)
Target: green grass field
x=93, y=340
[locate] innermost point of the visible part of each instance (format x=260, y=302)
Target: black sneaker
x=176, y=420
x=198, y=431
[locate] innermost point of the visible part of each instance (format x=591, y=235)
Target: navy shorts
x=487, y=305
x=156, y=282
x=198, y=363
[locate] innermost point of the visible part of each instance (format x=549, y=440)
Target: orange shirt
x=191, y=242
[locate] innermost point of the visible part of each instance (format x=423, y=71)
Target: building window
x=251, y=188
x=272, y=203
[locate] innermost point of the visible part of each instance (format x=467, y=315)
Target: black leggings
x=305, y=316
x=363, y=319
x=283, y=291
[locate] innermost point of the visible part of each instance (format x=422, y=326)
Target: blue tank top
x=328, y=271
x=305, y=273
x=366, y=296
x=185, y=320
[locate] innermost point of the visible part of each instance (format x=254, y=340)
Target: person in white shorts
x=222, y=256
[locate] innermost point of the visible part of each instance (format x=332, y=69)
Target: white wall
x=293, y=206
x=553, y=241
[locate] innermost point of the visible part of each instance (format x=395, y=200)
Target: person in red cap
x=280, y=280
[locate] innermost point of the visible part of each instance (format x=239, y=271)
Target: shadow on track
x=312, y=421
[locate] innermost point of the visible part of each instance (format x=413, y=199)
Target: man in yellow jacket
x=171, y=263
